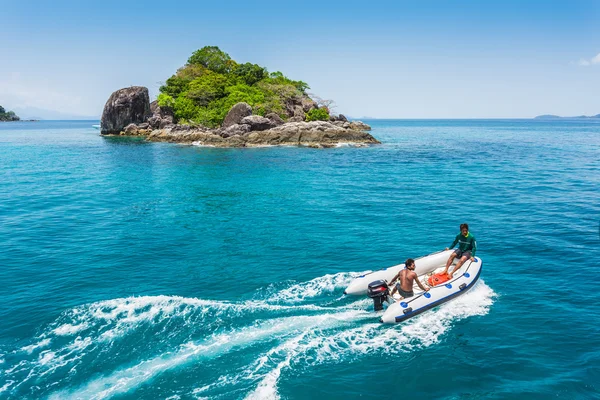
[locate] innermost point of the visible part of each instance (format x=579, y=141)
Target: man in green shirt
x=467, y=246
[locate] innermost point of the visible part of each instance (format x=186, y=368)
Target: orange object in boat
x=438, y=279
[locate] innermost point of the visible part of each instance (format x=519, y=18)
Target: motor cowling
x=378, y=291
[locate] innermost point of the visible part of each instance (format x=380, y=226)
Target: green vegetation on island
x=205, y=89
x=8, y=115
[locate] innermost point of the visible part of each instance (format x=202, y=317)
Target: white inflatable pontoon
x=400, y=310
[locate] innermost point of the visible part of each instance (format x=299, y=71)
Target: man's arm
x=474, y=249
x=394, y=278
x=419, y=283
x=454, y=243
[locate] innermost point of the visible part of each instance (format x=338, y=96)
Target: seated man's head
x=410, y=264
x=464, y=229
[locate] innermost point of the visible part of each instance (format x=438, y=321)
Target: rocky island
x=214, y=101
x=8, y=115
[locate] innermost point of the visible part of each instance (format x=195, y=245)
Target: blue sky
x=401, y=59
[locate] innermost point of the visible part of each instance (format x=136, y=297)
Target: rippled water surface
x=138, y=270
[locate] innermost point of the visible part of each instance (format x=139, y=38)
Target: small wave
x=320, y=347
x=162, y=333
x=6, y=386
x=125, y=380
x=91, y=331
x=115, y=318
x=32, y=347
x=320, y=286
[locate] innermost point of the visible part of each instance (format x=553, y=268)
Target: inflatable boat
x=428, y=269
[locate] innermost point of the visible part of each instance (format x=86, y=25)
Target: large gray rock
x=236, y=114
x=299, y=112
x=237, y=129
x=342, y=118
x=165, y=121
x=125, y=106
x=359, y=126
x=161, y=116
x=130, y=129
x=154, y=121
x=275, y=119
x=258, y=123
x=308, y=104
x=159, y=111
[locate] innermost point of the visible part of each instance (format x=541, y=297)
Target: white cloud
x=583, y=62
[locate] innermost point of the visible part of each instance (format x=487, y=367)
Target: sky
x=381, y=59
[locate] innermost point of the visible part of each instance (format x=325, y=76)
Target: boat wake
x=130, y=345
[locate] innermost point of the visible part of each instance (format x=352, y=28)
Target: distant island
x=215, y=101
x=8, y=115
x=550, y=116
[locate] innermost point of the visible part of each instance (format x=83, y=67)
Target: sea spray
x=142, y=338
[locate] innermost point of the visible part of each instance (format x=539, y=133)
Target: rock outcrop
x=161, y=116
x=237, y=129
x=258, y=123
x=128, y=112
x=309, y=134
x=125, y=106
x=275, y=119
x=236, y=114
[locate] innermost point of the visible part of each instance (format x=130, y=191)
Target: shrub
x=317, y=114
x=204, y=90
x=164, y=100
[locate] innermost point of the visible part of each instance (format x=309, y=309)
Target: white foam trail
x=267, y=388
x=42, y=343
x=318, y=347
x=91, y=330
x=125, y=380
x=68, y=329
x=6, y=386
x=316, y=287
x=98, y=325
x=420, y=331
x=115, y=318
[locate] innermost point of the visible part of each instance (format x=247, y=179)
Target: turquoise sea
x=134, y=270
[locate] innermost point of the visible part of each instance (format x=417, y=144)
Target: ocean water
x=134, y=270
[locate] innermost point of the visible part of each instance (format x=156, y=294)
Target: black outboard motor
x=378, y=291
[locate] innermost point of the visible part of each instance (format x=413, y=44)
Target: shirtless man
x=405, y=279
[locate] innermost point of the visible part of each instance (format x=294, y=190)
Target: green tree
x=207, y=88
x=213, y=58
x=164, y=100
x=185, y=109
x=8, y=115
x=250, y=73
x=317, y=114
